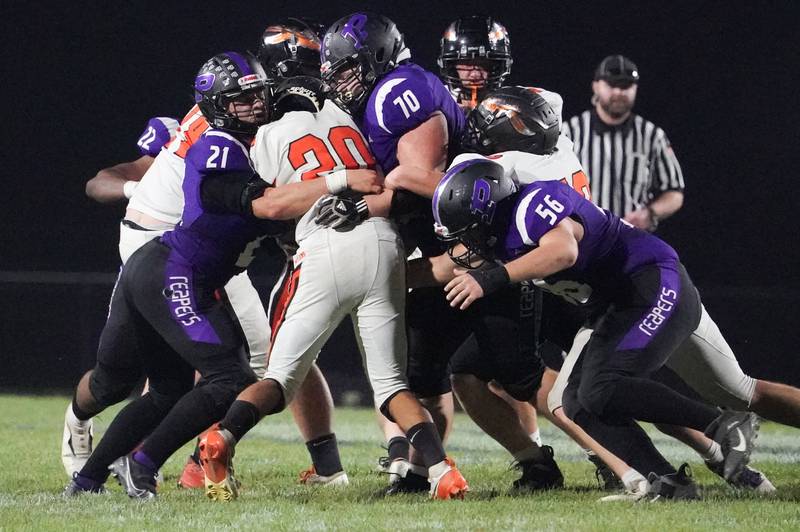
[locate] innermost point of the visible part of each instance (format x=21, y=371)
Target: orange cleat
x=216, y=460
x=192, y=476
x=449, y=485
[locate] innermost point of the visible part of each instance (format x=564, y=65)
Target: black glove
x=491, y=279
x=341, y=213
x=231, y=192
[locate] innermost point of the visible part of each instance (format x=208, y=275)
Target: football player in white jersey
x=358, y=272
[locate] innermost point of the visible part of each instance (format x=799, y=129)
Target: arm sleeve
x=157, y=133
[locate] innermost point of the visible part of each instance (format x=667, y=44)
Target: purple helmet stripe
x=437, y=194
x=241, y=62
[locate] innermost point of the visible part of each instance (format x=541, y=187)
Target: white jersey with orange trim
x=360, y=272
x=302, y=146
x=159, y=193
x=526, y=168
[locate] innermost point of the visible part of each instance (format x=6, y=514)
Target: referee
x=632, y=169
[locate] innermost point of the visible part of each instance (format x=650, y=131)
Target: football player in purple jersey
x=412, y=122
x=604, y=259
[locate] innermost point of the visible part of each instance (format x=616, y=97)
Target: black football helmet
x=512, y=119
x=227, y=78
x=289, y=48
x=469, y=38
x=356, y=51
x=299, y=93
x=465, y=204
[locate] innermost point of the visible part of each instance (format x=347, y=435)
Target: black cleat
x=674, y=486
x=74, y=489
x=410, y=483
x=138, y=481
x=539, y=475
x=736, y=433
x=606, y=478
x=749, y=479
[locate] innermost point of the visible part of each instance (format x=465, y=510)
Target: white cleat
x=309, y=477
x=76, y=444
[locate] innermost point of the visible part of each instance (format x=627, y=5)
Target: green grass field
x=269, y=459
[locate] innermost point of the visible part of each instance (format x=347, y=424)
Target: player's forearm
x=557, y=251
x=430, y=271
x=414, y=179
x=289, y=201
x=666, y=204
x=379, y=205
x=108, y=186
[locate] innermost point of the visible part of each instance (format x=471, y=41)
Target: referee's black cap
x=617, y=70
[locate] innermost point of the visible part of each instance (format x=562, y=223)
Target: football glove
x=341, y=213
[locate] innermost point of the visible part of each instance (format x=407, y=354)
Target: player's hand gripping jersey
x=159, y=193
x=302, y=146
x=402, y=100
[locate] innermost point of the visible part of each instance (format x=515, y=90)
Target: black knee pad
x=110, y=385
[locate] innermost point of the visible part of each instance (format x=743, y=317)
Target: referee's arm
x=667, y=186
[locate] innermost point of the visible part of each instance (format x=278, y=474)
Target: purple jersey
x=215, y=245
x=157, y=134
x=403, y=99
x=610, y=251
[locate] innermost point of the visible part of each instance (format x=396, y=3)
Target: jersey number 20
x=346, y=143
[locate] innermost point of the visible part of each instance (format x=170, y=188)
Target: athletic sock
x=76, y=416
x=632, y=479
x=536, y=437
x=425, y=439
x=241, y=417
x=129, y=427
x=140, y=457
x=714, y=454
x=398, y=448
x=80, y=415
x=324, y=453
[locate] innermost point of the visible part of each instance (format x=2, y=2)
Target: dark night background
x=82, y=78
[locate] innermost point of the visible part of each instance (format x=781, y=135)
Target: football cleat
x=450, y=484
x=539, y=475
x=674, y=486
x=216, y=459
x=749, y=479
x=405, y=477
x=736, y=433
x=605, y=477
x=75, y=489
x=192, y=476
x=76, y=444
x=138, y=481
x=638, y=493
x=309, y=477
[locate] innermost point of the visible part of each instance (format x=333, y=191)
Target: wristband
x=128, y=187
x=491, y=280
x=336, y=181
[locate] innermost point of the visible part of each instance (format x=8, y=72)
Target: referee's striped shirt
x=628, y=165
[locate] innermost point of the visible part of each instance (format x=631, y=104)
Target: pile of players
x=336, y=144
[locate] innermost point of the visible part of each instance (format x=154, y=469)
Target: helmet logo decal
x=482, y=203
x=355, y=29
x=204, y=82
